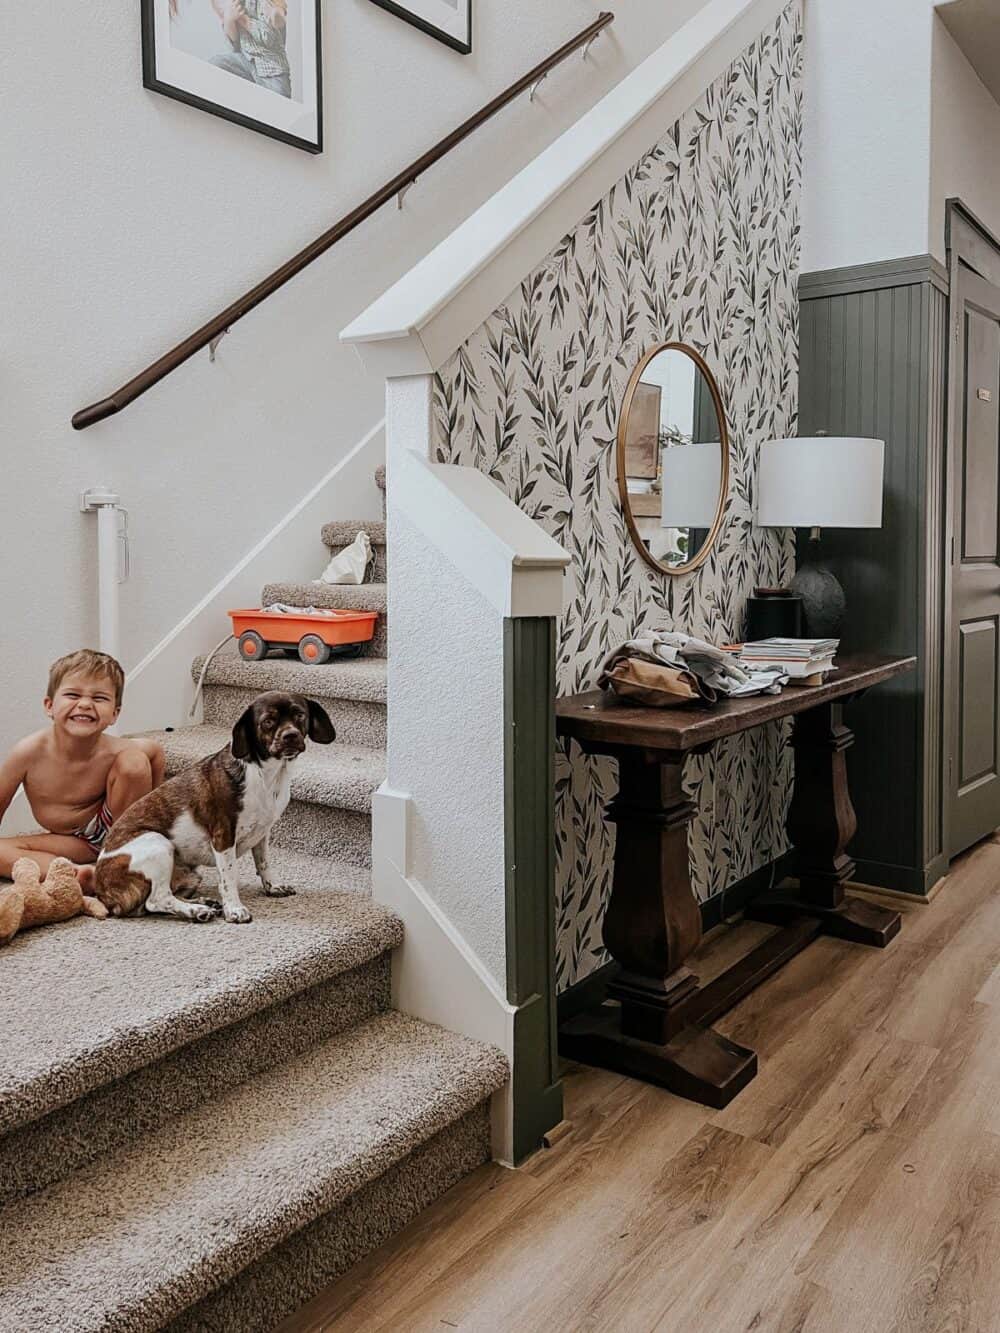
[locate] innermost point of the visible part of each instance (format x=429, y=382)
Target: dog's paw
x=203, y=912
x=238, y=916
x=278, y=890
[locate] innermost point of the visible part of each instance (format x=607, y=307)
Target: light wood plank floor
x=853, y=1186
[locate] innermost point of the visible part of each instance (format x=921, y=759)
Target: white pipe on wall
x=104, y=502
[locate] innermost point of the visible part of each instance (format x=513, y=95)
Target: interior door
x=975, y=556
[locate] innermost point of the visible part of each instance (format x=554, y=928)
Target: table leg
x=821, y=823
x=652, y=925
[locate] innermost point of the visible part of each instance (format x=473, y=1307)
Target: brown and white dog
x=209, y=815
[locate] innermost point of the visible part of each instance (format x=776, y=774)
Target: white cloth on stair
x=351, y=564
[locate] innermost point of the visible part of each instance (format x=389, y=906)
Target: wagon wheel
x=312, y=650
x=252, y=646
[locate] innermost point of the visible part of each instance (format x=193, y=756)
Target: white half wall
x=436, y=975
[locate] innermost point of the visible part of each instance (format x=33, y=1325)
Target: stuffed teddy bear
x=29, y=902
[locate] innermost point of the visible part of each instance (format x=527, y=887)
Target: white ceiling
x=975, y=26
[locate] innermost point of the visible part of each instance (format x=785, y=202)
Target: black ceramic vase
x=823, y=600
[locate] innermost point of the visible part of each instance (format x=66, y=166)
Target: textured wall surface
x=446, y=685
x=698, y=242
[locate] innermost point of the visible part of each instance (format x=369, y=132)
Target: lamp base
x=823, y=601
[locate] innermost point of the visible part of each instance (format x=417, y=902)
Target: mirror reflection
x=672, y=465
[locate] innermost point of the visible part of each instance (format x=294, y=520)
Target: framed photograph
x=450, y=21
x=642, y=440
x=255, y=62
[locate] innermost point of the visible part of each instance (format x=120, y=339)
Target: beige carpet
x=89, y=1001
x=179, y=1214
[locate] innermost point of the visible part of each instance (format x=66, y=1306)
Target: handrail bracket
x=215, y=343
x=536, y=85
x=586, y=49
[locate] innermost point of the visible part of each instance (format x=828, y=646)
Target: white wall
x=867, y=131
x=674, y=373
x=965, y=139
x=896, y=122
x=129, y=219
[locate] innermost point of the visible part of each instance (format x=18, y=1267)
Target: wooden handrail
x=223, y=322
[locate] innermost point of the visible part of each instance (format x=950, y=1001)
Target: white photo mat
x=192, y=78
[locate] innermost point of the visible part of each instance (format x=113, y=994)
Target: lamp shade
x=823, y=482
x=691, y=477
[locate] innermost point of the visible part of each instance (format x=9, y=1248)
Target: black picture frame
x=152, y=80
x=400, y=9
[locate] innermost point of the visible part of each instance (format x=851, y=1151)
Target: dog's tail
x=121, y=889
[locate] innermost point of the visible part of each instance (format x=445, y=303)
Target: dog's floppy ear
x=244, y=742
x=320, y=727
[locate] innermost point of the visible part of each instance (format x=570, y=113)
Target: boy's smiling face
x=83, y=705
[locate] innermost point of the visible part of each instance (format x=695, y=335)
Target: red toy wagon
x=315, y=635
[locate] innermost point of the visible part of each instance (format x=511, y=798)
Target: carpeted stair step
x=352, y=690
x=311, y=1153
x=362, y=597
x=330, y=811
x=123, y=1024
x=340, y=534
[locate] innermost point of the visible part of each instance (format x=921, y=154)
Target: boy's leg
x=43, y=848
x=134, y=774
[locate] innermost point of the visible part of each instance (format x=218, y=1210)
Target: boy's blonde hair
x=88, y=663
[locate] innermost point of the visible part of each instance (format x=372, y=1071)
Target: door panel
x=977, y=683
x=982, y=395
x=975, y=612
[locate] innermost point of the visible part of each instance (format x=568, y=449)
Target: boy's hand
x=237, y=14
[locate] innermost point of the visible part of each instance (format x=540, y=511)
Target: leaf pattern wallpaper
x=699, y=243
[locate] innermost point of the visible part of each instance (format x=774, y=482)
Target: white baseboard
x=435, y=975
x=159, y=691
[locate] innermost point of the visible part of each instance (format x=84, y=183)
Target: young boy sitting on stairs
x=77, y=779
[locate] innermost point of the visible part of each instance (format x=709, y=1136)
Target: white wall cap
x=509, y=557
x=418, y=323
x=527, y=542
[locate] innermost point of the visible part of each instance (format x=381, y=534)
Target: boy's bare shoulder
x=33, y=746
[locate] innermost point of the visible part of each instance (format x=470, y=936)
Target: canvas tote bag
x=655, y=685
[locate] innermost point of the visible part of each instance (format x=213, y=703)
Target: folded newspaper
x=715, y=671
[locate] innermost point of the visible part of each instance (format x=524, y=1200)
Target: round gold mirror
x=673, y=458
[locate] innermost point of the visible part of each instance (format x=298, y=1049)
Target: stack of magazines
x=797, y=658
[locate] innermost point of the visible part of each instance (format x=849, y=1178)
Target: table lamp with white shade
x=822, y=482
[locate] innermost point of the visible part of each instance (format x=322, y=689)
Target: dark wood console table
x=657, y=1025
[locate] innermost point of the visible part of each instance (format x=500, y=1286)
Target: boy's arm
x=12, y=772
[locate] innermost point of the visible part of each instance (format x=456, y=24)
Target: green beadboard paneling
x=872, y=363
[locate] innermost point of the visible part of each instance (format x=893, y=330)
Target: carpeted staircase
x=201, y=1126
